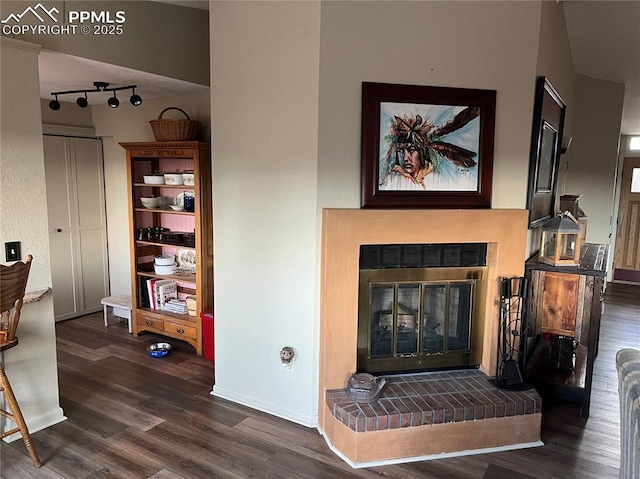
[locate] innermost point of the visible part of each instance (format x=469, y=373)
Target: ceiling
x=604, y=37
x=605, y=44
x=59, y=72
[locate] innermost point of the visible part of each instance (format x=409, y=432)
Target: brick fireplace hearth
x=422, y=428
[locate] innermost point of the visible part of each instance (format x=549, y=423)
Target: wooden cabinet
x=164, y=231
x=566, y=301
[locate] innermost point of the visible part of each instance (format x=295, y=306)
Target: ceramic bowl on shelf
x=173, y=179
x=151, y=202
x=188, y=178
x=164, y=268
x=176, y=207
x=164, y=260
x=153, y=179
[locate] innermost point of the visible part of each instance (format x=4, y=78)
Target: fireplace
x=408, y=434
x=420, y=307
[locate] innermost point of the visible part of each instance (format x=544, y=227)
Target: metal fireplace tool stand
x=512, y=334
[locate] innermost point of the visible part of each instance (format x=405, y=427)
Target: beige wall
x=555, y=63
x=486, y=45
x=68, y=115
x=130, y=123
x=158, y=38
x=593, y=156
x=23, y=217
x=264, y=118
x=286, y=143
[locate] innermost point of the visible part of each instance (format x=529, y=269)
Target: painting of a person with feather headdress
x=429, y=147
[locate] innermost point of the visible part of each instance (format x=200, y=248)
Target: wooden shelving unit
x=566, y=300
x=145, y=159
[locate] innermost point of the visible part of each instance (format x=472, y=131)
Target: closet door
x=77, y=226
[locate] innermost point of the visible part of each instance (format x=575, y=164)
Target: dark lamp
x=113, y=102
x=83, y=101
x=136, y=100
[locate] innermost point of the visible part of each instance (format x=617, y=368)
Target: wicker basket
x=175, y=130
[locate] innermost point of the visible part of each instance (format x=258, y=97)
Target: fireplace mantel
x=345, y=230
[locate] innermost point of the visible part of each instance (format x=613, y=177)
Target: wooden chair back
x=13, y=283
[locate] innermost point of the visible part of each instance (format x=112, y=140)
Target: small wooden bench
x=121, y=308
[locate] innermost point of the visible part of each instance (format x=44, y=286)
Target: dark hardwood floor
x=131, y=416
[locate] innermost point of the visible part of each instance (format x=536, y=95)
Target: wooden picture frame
x=426, y=147
x=546, y=145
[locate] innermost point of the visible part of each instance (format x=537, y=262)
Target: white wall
x=264, y=118
x=486, y=45
x=286, y=143
x=31, y=366
x=130, y=123
x=593, y=155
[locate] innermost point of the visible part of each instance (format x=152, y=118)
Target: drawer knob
x=148, y=323
x=180, y=331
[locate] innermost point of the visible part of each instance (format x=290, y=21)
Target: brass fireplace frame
x=424, y=276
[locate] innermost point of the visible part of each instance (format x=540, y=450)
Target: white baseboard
x=404, y=460
x=269, y=408
x=38, y=423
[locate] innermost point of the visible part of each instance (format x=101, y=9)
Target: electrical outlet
x=12, y=251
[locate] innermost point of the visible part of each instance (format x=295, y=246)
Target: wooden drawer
x=180, y=329
x=145, y=321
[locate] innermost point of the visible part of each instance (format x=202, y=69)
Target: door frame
x=623, y=152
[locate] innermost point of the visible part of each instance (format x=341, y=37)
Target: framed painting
x=426, y=147
x=546, y=144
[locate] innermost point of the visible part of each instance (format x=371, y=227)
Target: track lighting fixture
x=54, y=104
x=136, y=100
x=83, y=101
x=113, y=102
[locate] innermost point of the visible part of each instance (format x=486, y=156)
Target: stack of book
x=176, y=306
x=157, y=292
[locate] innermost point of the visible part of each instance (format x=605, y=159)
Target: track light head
x=113, y=102
x=136, y=100
x=54, y=104
x=82, y=102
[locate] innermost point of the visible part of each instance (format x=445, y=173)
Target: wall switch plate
x=12, y=251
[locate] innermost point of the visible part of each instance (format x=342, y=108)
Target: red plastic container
x=207, y=334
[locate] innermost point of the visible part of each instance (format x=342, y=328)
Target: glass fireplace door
x=414, y=325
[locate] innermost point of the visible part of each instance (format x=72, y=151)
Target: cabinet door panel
x=89, y=182
x=94, y=274
x=559, y=303
x=63, y=277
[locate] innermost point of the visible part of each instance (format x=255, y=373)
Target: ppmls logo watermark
x=37, y=21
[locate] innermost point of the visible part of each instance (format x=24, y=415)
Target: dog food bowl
x=159, y=350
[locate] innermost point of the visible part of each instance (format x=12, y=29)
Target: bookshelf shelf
x=144, y=159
